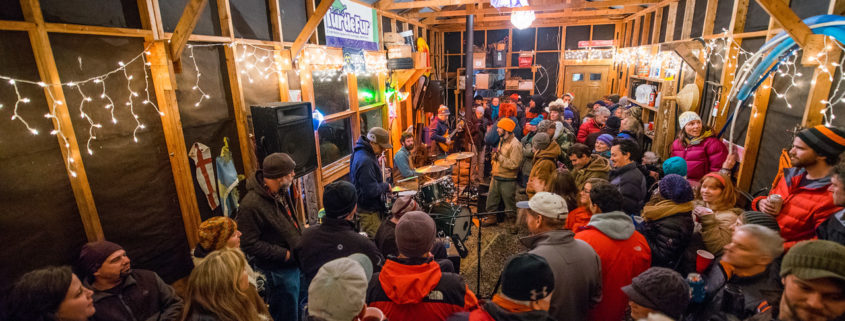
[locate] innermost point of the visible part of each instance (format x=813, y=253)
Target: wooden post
x=670, y=22
x=658, y=20
x=709, y=17
x=562, y=65
x=281, y=55
x=187, y=22
x=820, y=85
x=729, y=70
x=49, y=73
x=635, y=42
x=646, y=34
x=689, y=11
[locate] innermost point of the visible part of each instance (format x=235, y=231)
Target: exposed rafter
x=545, y=8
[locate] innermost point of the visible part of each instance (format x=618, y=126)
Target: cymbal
x=431, y=169
x=407, y=179
x=397, y=189
x=444, y=162
x=460, y=156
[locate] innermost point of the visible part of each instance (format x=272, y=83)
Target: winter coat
x=490, y=311
x=386, y=238
x=365, y=174
x=416, y=289
x=588, y=127
x=509, y=157
x=833, y=229
x=335, y=238
x=624, y=254
x=716, y=229
x=702, y=158
x=577, y=219
x=564, y=137
x=545, y=163
x=804, y=207
x=577, y=271
x=598, y=167
x=141, y=296
x=733, y=297
x=527, y=153
x=632, y=184
x=269, y=226
x=668, y=228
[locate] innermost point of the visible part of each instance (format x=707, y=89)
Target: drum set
x=439, y=195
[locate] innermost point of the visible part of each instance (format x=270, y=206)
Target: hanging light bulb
x=522, y=19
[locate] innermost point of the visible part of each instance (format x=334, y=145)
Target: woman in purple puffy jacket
x=703, y=151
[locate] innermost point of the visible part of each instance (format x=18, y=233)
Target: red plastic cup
x=373, y=314
x=702, y=260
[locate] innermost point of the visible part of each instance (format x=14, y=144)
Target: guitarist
x=440, y=132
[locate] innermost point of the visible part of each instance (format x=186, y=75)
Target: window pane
x=371, y=119
x=577, y=77
x=595, y=76
x=368, y=90
x=331, y=94
x=335, y=140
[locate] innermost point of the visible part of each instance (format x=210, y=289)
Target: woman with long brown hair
x=218, y=289
x=716, y=210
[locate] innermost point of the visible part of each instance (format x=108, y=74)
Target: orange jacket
x=578, y=218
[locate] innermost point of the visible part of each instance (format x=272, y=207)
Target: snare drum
x=451, y=220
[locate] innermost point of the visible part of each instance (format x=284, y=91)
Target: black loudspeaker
x=286, y=128
x=433, y=96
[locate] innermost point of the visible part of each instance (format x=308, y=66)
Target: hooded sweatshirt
x=598, y=167
x=624, y=254
x=545, y=163
x=416, y=289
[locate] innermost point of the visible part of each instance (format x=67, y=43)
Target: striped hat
x=826, y=141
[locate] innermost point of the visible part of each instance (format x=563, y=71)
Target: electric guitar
x=447, y=147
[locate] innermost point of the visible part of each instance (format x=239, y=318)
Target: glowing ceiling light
x=522, y=19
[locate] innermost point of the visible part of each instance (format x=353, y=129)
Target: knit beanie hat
x=675, y=188
x=402, y=205
x=507, y=124
x=815, y=259
x=762, y=219
x=339, y=199
x=540, y=141
x=606, y=139
x=538, y=100
x=277, y=165
x=567, y=114
x=338, y=290
x=614, y=98
x=536, y=120
x=215, y=232
x=826, y=141
x=547, y=204
x=687, y=117
x=675, y=165
x=443, y=110
x=613, y=123
x=93, y=255
x=660, y=289
x=527, y=277
x=415, y=234
x=544, y=126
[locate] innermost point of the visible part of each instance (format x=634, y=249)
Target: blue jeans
x=283, y=293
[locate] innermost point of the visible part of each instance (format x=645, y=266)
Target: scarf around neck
x=697, y=140
x=665, y=208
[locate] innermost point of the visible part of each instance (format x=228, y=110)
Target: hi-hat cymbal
x=444, y=162
x=460, y=156
x=431, y=169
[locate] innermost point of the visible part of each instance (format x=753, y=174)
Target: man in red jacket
x=806, y=200
x=412, y=286
x=593, y=125
x=624, y=252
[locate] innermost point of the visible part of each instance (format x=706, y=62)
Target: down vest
x=804, y=207
x=702, y=158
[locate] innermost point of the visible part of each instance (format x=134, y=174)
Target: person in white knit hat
x=700, y=147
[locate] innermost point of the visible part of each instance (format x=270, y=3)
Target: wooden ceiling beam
x=309, y=28
x=557, y=15
x=185, y=27
x=783, y=15
x=545, y=8
x=535, y=24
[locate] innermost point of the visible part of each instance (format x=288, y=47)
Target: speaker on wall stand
x=280, y=128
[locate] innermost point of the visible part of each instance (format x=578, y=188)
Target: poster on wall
x=353, y=61
x=352, y=25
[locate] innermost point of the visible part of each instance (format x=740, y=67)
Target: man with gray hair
x=593, y=125
x=744, y=282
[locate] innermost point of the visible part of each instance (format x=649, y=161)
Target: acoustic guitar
x=447, y=147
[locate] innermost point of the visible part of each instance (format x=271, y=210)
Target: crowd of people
x=612, y=234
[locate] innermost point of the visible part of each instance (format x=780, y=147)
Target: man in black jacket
x=745, y=280
x=335, y=237
x=365, y=173
x=627, y=176
x=267, y=219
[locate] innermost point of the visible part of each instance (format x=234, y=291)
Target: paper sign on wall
x=353, y=25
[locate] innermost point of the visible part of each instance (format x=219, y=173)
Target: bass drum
x=451, y=220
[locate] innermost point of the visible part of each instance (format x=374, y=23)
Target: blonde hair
x=213, y=287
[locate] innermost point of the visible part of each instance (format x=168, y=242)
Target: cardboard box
x=512, y=84
x=462, y=82
x=393, y=37
x=403, y=51
x=482, y=81
x=526, y=59
x=526, y=85
x=420, y=59
x=479, y=60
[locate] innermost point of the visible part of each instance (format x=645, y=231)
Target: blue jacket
x=402, y=161
x=365, y=175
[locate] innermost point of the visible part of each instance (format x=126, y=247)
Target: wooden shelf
x=495, y=68
x=643, y=105
x=649, y=79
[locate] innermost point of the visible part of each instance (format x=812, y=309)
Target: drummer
x=402, y=160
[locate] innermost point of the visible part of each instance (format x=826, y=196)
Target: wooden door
x=587, y=83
